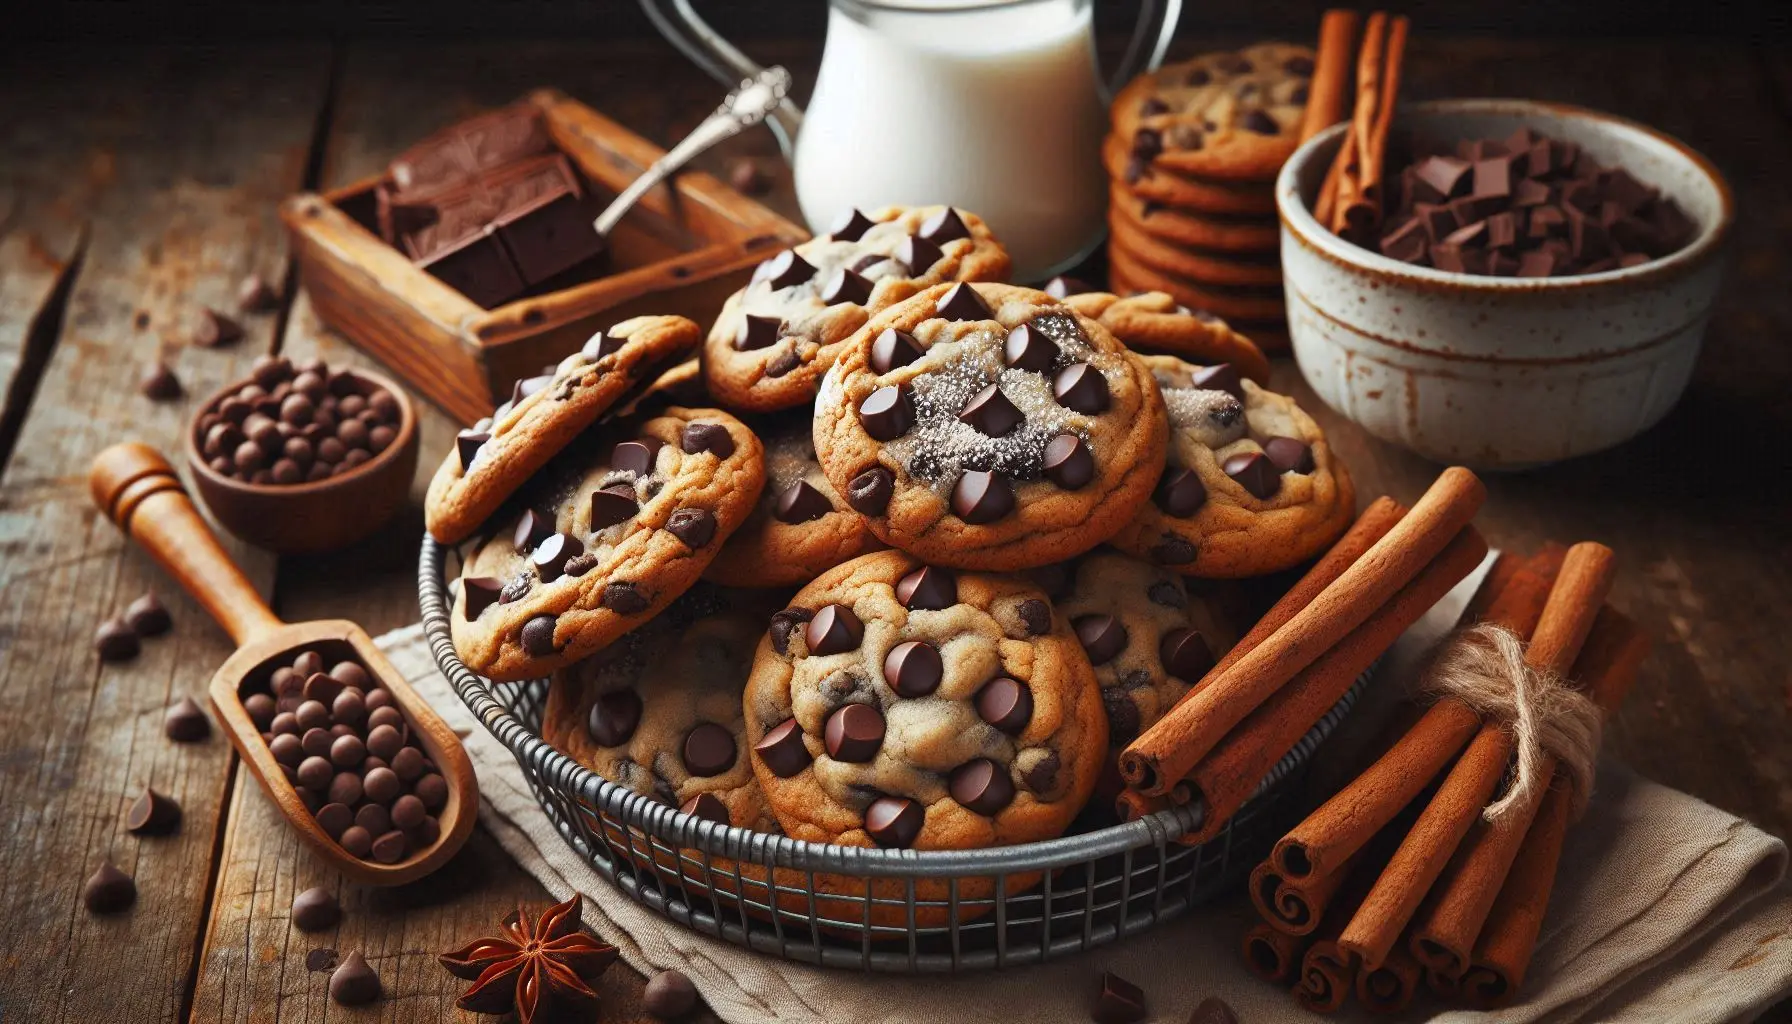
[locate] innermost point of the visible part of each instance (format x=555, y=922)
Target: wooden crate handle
x=138, y=490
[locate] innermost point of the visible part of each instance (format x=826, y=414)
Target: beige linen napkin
x=1667, y=909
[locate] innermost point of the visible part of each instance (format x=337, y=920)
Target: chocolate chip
x=321, y=959
x=1102, y=636
x=928, y=588
x=108, y=890
x=1219, y=377
x=335, y=818
x=538, y=635
x=982, y=496
x=579, y=565
x=1173, y=550
x=991, y=413
x=1042, y=776
x=531, y=529
x=1006, y=705
x=1036, y=615
x=784, y=270
x=982, y=786
x=707, y=806
x=551, y=555
x=215, y=330
x=255, y=295
x=1255, y=473
x=869, y=492
x=1261, y=123
x=1028, y=348
x=1068, y=462
x=481, y=593
x=526, y=386
x=185, y=723
x=1180, y=492
x=913, y=669
x=1290, y=455
x=944, y=226
x=315, y=909
x=518, y=588
x=1081, y=388
x=314, y=772
x=783, y=622
x=116, y=641
x=637, y=456
x=355, y=983
x=322, y=690
x=706, y=437
x=1118, y=1002
x=800, y=502
x=708, y=750
x=159, y=383
x=850, y=226
x=894, y=822
x=893, y=348
x=961, y=302
x=918, y=254
x=844, y=285
x=1213, y=1010
x=1167, y=594
x=624, y=599
x=694, y=526
x=1185, y=655
x=614, y=717
x=854, y=732
x=783, y=363
x=612, y=505
x=1063, y=286
x=152, y=814
x=833, y=629
x=757, y=332
x=887, y=413
x=600, y=345
x=356, y=841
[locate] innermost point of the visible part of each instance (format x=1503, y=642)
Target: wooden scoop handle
x=138, y=490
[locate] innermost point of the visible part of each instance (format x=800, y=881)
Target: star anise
x=543, y=971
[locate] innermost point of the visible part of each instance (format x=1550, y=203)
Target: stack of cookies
x=1193, y=156
x=942, y=526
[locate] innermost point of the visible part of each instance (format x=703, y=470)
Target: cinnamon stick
x=1226, y=778
x=1272, y=955
x=1330, y=84
x=1131, y=805
x=1327, y=974
x=1166, y=752
x=1369, y=69
x=1390, y=987
x=1363, y=219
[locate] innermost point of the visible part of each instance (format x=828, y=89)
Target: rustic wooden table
x=139, y=184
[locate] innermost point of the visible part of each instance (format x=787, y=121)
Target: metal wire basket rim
x=669, y=823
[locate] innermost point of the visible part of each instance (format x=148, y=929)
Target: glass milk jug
x=996, y=107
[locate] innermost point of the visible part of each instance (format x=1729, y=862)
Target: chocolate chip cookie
x=1249, y=486
x=903, y=705
x=776, y=337
x=659, y=711
x=989, y=426
x=490, y=460
x=605, y=536
x=1161, y=185
x=802, y=526
x=1155, y=322
x=1239, y=302
x=1232, y=115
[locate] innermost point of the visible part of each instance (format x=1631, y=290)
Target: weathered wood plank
x=175, y=157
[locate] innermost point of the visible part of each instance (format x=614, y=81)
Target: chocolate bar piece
x=461, y=151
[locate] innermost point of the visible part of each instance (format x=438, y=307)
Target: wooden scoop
x=137, y=489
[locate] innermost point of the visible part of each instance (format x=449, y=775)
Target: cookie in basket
x=490, y=460
x=989, y=426
x=601, y=539
x=776, y=337
x=1155, y=322
x=659, y=710
x=802, y=527
x=1230, y=115
x=1250, y=485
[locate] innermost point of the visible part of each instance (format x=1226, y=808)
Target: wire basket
x=904, y=911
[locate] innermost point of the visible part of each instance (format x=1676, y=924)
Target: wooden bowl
x=316, y=516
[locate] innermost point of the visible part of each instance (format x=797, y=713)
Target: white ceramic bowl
x=1492, y=372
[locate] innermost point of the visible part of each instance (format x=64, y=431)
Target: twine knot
x=1484, y=668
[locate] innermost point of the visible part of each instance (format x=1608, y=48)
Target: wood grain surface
x=141, y=184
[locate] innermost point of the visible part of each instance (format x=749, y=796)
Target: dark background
x=748, y=19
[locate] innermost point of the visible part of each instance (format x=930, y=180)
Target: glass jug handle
x=1150, y=39
x=679, y=22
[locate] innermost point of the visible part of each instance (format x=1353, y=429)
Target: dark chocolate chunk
x=991, y=413
x=115, y=640
x=1118, y=1002
x=1289, y=454
x=1042, y=776
x=918, y=254
x=1493, y=178
x=614, y=718
x=708, y=750
x=1028, y=348
x=800, y=503
x=784, y=270
x=783, y=623
x=1036, y=615
x=1537, y=263
x=1180, y=492
x=1442, y=177
x=887, y=413
x=1005, y=704
x=600, y=345
x=1255, y=473
x=670, y=994
x=1502, y=230
x=152, y=814
x=355, y=983
x=894, y=822
x=624, y=598
x=315, y=909
x=637, y=456
x=707, y=806
x=612, y=505
x=1260, y=122
x=531, y=529
x=159, y=384
x=1408, y=243
x=944, y=226
x=186, y=723
x=782, y=749
x=1213, y=1010
x=982, y=786
x=1184, y=654
x=1102, y=636
x=1122, y=715
x=526, y=386
x=845, y=286
x=108, y=890
x=707, y=437
x=869, y=492
x=961, y=302
x=694, y=526
x=893, y=348
x=551, y=556
x=850, y=226
x=757, y=332
x=1219, y=377
x=854, y=733
x=1068, y=462
x=928, y=588
x=215, y=329
x=981, y=496
x=538, y=635
x=833, y=629
x=914, y=668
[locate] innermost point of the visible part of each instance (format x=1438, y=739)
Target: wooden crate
x=683, y=249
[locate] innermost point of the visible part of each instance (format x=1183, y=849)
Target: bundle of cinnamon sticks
x=1350, y=199
x=1399, y=879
